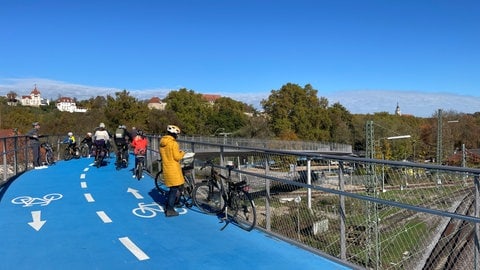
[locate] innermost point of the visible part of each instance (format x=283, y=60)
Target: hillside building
x=66, y=104
x=34, y=99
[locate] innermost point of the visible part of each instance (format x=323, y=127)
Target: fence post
x=309, y=183
x=268, y=216
x=5, y=168
x=477, y=230
x=343, y=241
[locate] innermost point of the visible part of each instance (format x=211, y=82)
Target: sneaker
x=133, y=176
x=44, y=167
x=171, y=213
x=38, y=168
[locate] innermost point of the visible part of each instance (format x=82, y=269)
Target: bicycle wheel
x=139, y=171
x=242, y=210
x=49, y=158
x=67, y=155
x=207, y=196
x=159, y=182
x=84, y=151
x=187, y=193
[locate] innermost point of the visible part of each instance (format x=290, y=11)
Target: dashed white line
x=104, y=217
x=89, y=197
x=82, y=176
x=86, y=169
x=134, y=249
x=83, y=184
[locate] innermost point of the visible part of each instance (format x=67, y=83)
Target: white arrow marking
x=37, y=223
x=135, y=193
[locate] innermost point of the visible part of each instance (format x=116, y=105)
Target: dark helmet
x=140, y=132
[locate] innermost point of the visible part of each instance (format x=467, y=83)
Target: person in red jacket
x=139, y=145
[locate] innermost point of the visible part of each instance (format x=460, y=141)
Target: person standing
x=172, y=171
x=34, y=136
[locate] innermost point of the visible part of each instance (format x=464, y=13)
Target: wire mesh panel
x=373, y=213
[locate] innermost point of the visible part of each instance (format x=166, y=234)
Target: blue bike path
x=73, y=215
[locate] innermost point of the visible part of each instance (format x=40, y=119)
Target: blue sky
x=368, y=55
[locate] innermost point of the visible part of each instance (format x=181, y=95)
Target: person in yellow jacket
x=172, y=170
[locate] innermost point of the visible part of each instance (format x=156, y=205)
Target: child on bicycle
x=139, y=145
x=71, y=142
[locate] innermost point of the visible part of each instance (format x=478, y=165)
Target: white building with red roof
x=66, y=104
x=34, y=99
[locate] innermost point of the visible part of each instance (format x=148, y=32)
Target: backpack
x=120, y=133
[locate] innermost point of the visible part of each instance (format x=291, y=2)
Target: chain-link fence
x=374, y=214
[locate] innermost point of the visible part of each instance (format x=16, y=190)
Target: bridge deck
x=76, y=216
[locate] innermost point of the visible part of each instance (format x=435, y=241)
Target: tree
x=296, y=112
x=228, y=114
x=342, y=128
x=125, y=110
x=191, y=109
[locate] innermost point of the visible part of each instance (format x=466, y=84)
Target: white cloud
x=411, y=102
x=415, y=103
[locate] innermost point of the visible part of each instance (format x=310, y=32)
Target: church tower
x=397, y=110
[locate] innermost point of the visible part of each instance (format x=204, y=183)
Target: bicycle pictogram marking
x=150, y=210
x=28, y=201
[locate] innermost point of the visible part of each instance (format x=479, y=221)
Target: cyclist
x=70, y=140
x=172, y=171
x=100, y=138
x=88, y=140
x=139, y=145
x=121, y=139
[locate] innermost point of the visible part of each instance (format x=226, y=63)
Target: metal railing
x=367, y=213
x=374, y=214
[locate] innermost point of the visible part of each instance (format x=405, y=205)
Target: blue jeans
x=173, y=195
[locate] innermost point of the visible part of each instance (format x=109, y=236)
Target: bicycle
x=100, y=152
x=49, y=159
x=71, y=151
x=233, y=200
x=187, y=164
x=122, y=157
x=139, y=161
x=85, y=150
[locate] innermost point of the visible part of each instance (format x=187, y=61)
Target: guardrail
x=375, y=214
x=371, y=213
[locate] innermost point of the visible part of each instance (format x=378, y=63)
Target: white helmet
x=89, y=134
x=173, y=129
x=102, y=125
x=70, y=134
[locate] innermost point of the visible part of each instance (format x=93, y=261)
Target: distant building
x=156, y=103
x=397, y=110
x=34, y=99
x=211, y=98
x=66, y=104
